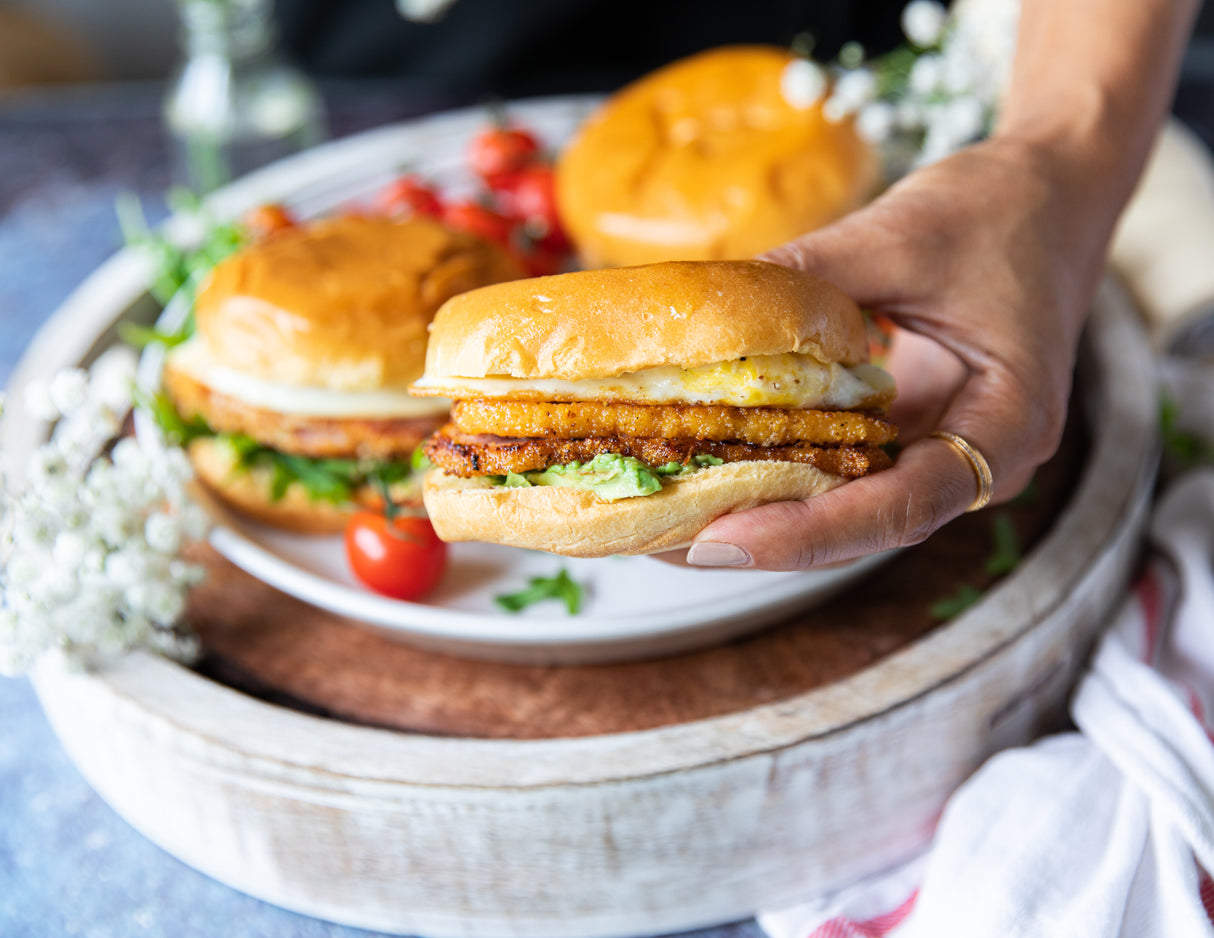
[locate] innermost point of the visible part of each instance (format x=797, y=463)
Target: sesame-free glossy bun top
x=600, y=323
x=706, y=159
x=341, y=303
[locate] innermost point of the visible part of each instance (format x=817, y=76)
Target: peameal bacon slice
x=467, y=455
x=317, y=437
x=761, y=426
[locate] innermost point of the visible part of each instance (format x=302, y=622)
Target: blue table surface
x=69, y=865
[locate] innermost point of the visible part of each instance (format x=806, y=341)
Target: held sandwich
x=619, y=411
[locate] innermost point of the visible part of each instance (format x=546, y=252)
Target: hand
x=987, y=262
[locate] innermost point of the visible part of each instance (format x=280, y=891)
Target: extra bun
x=598, y=323
x=707, y=159
x=578, y=523
x=341, y=303
x=248, y=489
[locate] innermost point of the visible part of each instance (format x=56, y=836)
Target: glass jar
x=233, y=103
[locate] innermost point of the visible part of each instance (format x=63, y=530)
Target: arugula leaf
x=561, y=587
x=952, y=606
x=328, y=480
x=140, y=337
x=177, y=268
x=419, y=461
x=1007, y=546
x=176, y=429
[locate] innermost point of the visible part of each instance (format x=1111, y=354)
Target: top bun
x=600, y=323
x=706, y=159
x=341, y=303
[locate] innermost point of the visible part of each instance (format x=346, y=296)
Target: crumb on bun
x=706, y=158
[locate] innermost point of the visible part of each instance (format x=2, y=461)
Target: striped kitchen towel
x=1104, y=832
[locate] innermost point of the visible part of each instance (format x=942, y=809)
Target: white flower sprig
x=929, y=98
x=90, y=546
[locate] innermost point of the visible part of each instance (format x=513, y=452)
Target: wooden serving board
x=278, y=649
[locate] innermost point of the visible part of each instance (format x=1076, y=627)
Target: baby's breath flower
x=802, y=83
x=53, y=584
x=854, y=89
x=112, y=378
x=923, y=22
x=186, y=574
x=927, y=75
x=128, y=456
x=44, y=464
x=163, y=533
x=155, y=601
x=69, y=390
x=89, y=564
x=195, y=522
x=69, y=550
x=835, y=111
x=876, y=121
x=38, y=401
x=112, y=525
x=964, y=118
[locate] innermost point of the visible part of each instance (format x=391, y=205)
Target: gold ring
x=982, y=469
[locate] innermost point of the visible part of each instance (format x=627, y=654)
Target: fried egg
x=786, y=380
x=193, y=358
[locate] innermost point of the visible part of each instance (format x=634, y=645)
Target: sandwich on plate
x=291, y=395
x=619, y=411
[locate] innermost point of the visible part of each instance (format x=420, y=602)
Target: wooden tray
x=649, y=797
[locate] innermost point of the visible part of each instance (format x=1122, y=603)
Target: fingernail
x=716, y=554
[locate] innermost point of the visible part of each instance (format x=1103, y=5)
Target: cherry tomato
x=409, y=195
x=499, y=150
x=402, y=557
x=539, y=262
x=880, y=336
x=265, y=220
x=530, y=194
x=470, y=215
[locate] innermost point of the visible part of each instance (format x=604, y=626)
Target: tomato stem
x=391, y=510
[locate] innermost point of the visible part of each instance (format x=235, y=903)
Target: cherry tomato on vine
x=409, y=195
x=265, y=220
x=470, y=215
x=402, y=557
x=530, y=194
x=539, y=262
x=500, y=150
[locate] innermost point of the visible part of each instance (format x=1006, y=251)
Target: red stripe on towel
x=877, y=927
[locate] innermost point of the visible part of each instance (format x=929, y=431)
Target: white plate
x=634, y=607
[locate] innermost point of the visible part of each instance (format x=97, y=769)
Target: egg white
x=194, y=359
x=787, y=380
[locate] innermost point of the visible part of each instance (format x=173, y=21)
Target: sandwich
x=291, y=394
x=709, y=158
x=619, y=411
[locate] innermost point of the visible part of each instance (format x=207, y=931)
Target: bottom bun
x=248, y=490
x=577, y=523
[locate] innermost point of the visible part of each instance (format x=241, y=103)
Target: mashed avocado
x=609, y=475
